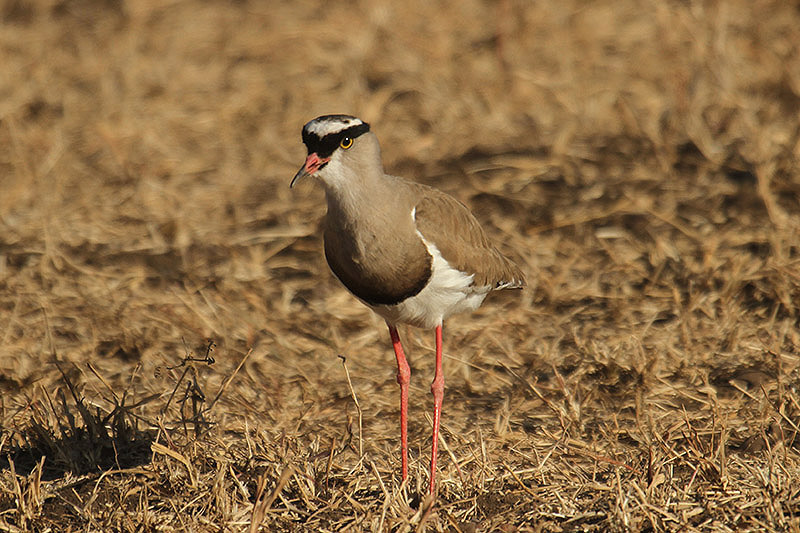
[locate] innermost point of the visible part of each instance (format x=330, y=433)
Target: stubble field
x=638, y=159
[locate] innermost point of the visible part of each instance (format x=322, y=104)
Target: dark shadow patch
x=71, y=435
x=748, y=378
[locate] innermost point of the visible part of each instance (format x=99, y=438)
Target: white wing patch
x=448, y=292
x=513, y=284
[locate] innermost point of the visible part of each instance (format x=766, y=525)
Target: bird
x=411, y=253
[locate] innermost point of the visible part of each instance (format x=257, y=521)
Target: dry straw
x=638, y=158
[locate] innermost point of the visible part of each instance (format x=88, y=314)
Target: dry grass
x=639, y=159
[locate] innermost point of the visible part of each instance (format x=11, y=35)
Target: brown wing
x=450, y=225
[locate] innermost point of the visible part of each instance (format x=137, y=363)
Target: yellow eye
x=346, y=143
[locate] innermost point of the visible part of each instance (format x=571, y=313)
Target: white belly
x=448, y=292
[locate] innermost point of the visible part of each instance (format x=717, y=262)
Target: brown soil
x=638, y=159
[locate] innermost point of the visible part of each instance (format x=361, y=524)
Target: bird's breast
x=378, y=269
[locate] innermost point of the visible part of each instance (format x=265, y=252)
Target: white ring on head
x=326, y=126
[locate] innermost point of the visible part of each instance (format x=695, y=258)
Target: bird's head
x=338, y=147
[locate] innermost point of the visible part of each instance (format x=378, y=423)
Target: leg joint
x=437, y=386
x=403, y=373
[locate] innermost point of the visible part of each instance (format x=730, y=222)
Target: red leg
x=403, y=378
x=437, y=388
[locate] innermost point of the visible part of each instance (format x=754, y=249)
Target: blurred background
x=638, y=158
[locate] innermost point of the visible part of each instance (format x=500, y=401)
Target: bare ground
x=637, y=158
